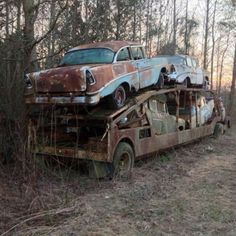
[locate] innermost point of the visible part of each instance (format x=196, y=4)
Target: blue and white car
x=183, y=69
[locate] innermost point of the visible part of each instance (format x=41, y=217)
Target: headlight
x=89, y=78
x=28, y=81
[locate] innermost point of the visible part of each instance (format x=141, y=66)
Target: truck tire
x=187, y=83
x=218, y=130
x=123, y=161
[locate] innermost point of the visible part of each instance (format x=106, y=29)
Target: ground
x=190, y=190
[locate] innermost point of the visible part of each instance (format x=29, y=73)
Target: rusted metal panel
x=60, y=80
x=129, y=124
x=72, y=153
x=107, y=74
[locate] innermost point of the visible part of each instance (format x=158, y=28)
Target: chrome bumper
x=87, y=100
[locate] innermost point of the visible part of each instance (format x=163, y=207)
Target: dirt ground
x=186, y=191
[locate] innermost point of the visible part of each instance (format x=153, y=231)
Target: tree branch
x=52, y=26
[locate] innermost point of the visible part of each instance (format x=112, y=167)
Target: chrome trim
x=90, y=100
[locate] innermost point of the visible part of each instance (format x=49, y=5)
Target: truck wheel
x=123, y=161
x=117, y=98
x=187, y=83
x=218, y=130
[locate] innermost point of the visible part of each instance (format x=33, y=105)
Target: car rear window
x=88, y=56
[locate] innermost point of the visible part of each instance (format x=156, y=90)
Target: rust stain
x=60, y=80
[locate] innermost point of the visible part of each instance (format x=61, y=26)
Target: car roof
x=112, y=45
x=176, y=56
x=172, y=56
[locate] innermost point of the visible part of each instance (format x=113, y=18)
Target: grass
x=215, y=211
x=187, y=191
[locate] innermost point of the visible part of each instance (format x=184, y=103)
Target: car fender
x=181, y=73
x=131, y=79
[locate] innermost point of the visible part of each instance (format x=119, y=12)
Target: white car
x=183, y=69
x=205, y=108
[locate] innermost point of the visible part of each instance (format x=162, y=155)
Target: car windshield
x=88, y=56
x=176, y=60
x=171, y=59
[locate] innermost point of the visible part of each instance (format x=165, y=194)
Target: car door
x=143, y=66
x=124, y=69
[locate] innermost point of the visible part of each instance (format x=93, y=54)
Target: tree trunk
x=218, y=64
x=30, y=12
x=134, y=23
x=18, y=15
x=7, y=19
x=213, y=44
x=51, y=40
x=186, y=41
x=232, y=90
x=222, y=64
x=174, y=28
x=206, y=36
x=147, y=26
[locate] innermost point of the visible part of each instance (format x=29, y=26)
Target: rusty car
x=90, y=72
x=111, y=140
x=183, y=69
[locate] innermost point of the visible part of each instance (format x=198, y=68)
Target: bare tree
x=222, y=64
x=213, y=44
x=174, y=26
x=206, y=34
x=232, y=90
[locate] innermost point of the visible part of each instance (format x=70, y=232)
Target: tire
x=117, y=98
x=218, y=130
x=203, y=85
x=123, y=161
x=160, y=82
x=186, y=83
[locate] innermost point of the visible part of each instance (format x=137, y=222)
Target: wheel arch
x=188, y=79
x=126, y=86
x=164, y=70
x=124, y=140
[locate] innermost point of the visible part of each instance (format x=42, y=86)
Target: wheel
x=117, y=98
x=203, y=85
x=123, y=161
x=160, y=82
x=186, y=83
x=218, y=130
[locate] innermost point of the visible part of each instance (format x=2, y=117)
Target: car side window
x=194, y=63
x=137, y=53
x=123, y=55
x=184, y=62
x=189, y=62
